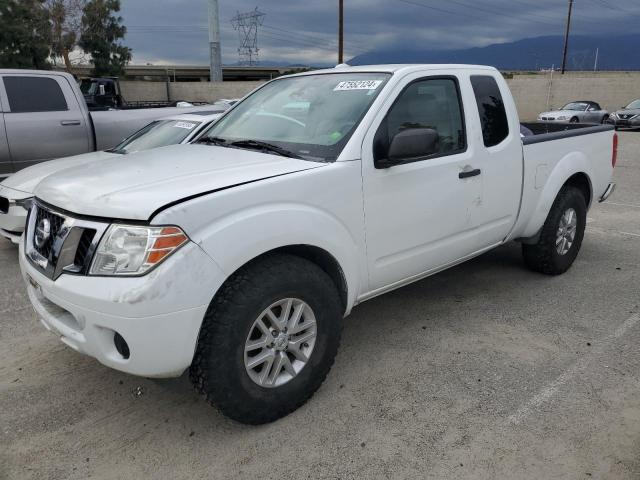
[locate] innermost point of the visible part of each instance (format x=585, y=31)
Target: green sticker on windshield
x=335, y=136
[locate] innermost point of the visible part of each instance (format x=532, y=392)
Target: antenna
x=247, y=26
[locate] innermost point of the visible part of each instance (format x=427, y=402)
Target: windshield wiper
x=117, y=150
x=267, y=147
x=212, y=141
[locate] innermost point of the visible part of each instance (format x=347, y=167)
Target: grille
x=4, y=205
x=82, y=259
x=57, y=244
x=55, y=223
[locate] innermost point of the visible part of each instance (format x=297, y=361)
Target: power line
x=468, y=6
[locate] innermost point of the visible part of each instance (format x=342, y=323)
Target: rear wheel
x=268, y=339
x=604, y=119
x=561, y=236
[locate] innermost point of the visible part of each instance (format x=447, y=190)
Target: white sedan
x=583, y=111
x=16, y=191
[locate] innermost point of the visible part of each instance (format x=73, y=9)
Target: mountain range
x=615, y=52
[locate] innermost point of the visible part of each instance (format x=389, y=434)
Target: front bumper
x=553, y=120
x=12, y=222
x=620, y=123
x=158, y=315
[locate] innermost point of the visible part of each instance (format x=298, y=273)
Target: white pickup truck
x=315, y=193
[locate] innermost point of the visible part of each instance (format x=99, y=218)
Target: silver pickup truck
x=43, y=116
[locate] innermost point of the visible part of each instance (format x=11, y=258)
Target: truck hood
x=134, y=186
x=25, y=180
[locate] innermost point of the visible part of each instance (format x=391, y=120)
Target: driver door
x=420, y=214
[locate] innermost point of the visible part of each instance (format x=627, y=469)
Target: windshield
x=157, y=134
x=88, y=87
x=311, y=116
x=635, y=105
x=576, y=106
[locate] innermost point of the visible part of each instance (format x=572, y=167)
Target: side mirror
x=410, y=144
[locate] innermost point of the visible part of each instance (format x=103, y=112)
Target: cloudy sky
x=304, y=31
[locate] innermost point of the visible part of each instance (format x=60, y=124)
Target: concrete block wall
x=533, y=93
x=191, y=91
x=539, y=92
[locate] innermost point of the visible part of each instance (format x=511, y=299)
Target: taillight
x=614, y=154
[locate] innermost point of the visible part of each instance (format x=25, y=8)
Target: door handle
x=67, y=123
x=469, y=173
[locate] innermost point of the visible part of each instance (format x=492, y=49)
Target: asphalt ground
x=484, y=371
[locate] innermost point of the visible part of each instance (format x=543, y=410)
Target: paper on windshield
x=187, y=125
x=357, y=85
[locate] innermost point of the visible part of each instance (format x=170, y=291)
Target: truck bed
x=552, y=150
x=545, y=132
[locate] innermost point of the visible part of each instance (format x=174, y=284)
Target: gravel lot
x=484, y=371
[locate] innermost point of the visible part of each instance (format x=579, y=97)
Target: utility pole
x=215, y=56
x=595, y=65
x=566, y=38
x=341, y=31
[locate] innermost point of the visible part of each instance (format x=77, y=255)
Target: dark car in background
x=628, y=117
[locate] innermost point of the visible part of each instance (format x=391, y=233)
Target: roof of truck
x=393, y=68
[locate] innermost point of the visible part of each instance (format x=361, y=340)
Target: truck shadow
x=428, y=304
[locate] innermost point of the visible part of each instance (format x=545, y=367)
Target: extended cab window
x=34, y=94
x=493, y=116
x=432, y=103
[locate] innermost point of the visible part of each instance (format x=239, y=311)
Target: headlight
x=134, y=250
x=613, y=115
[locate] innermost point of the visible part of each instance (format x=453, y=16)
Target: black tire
x=574, y=120
x=543, y=256
x=218, y=369
x=604, y=119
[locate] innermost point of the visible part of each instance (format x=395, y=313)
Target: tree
x=66, y=20
x=25, y=34
x=101, y=35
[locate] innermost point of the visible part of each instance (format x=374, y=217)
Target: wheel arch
x=314, y=254
x=322, y=258
x=582, y=182
x=573, y=170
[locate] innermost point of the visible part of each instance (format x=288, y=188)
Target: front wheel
x=268, y=339
x=561, y=235
x=574, y=120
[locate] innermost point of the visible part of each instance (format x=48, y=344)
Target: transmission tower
x=247, y=26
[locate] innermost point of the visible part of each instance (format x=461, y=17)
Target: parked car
x=43, y=115
x=239, y=261
x=628, y=117
x=17, y=190
x=104, y=93
x=577, y=112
